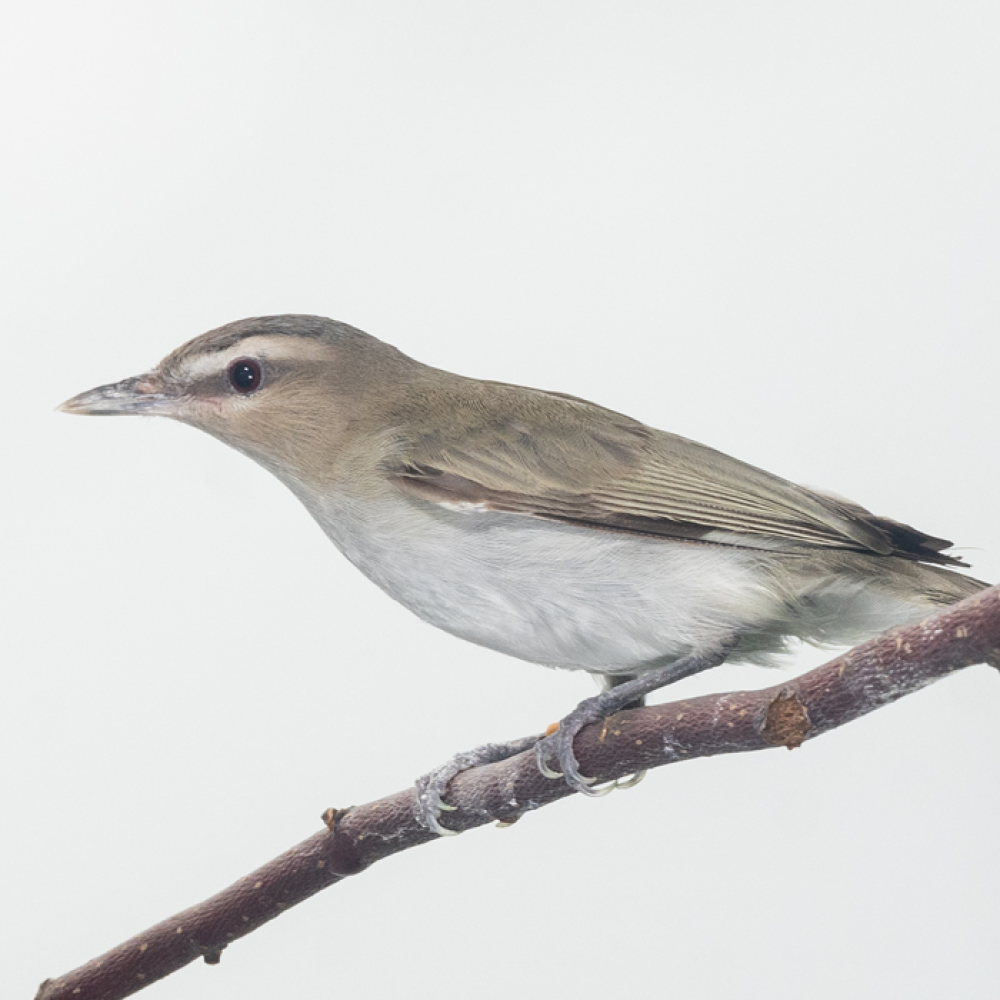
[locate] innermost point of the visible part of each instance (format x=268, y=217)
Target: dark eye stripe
x=245, y=375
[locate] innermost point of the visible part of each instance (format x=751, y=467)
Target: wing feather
x=556, y=457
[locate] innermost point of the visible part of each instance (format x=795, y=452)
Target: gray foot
x=430, y=787
x=555, y=755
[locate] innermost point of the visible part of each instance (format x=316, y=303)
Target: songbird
x=538, y=524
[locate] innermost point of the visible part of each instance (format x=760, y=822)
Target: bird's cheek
x=213, y=405
x=205, y=412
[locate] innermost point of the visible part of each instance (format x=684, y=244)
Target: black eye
x=245, y=375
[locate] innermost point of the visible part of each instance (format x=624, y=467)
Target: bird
x=538, y=524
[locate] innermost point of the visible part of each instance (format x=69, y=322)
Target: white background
x=772, y=227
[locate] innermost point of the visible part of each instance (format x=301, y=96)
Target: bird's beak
x=141, y=394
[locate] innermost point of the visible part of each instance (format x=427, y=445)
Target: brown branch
x=874, y=674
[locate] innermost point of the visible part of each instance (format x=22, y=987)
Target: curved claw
x=631, y=781
x=546, y=771
x=435, y=827
x=430, y=805
x=595, y=792
x=577, y=781
x=559, y=744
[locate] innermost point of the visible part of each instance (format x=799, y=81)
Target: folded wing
x=563, y=459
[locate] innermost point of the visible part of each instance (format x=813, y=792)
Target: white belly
x=552, y=593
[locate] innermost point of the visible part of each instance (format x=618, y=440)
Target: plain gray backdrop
x=772, y=227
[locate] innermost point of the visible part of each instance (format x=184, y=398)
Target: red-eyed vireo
x=538, y=524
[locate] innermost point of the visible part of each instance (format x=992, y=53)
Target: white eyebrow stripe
x=264, y=348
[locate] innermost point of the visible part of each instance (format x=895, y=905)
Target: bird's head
x=285, y=390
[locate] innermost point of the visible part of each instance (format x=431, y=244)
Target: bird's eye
x=245, y=375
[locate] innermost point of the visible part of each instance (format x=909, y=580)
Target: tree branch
x=874, y=674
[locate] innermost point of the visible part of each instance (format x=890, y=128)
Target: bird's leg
x=557, y=747
x=430, y=787
x=609, y=681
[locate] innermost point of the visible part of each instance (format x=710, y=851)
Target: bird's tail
x=863, y=595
